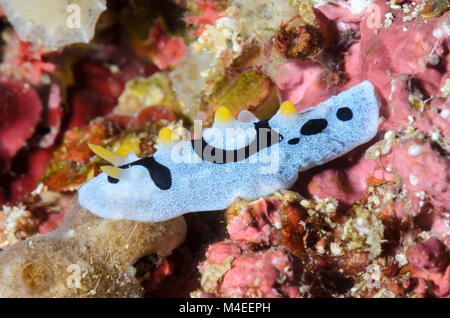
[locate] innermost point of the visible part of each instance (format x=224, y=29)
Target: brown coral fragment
x=302, y=42
x=86, y=256
x=292, y=231
x=435, y=8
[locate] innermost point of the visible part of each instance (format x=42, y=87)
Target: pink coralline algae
x=231, y=271
x=28, y=179
x=421, y=169
x=167, y=50
x=100, y=78
x=429, y=256
x=255, y=224
x=299, y=81
x=430, y=262
x=24, y=61
x=346, y=179
x=52, y=221
x=19, y=113
x=55, y=116
x=400, y=66
x=208, y=16
x=406, y=60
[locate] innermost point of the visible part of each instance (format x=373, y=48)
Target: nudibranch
x=244, y=158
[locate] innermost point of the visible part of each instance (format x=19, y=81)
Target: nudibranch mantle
x=246, y=158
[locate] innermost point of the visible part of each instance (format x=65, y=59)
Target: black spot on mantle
x=313, y=127
x=344, y=113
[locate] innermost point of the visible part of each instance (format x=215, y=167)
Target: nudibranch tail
x=109, y=156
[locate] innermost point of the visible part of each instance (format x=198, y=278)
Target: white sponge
x=53, y=24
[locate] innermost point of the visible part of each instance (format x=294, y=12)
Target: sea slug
x=244, y=158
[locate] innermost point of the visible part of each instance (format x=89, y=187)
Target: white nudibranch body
x=246, y=158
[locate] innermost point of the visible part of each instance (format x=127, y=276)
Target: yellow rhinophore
x=112, y=171
x=165, y=135
x=106, y=154
x=287, y=108
x=223, y=115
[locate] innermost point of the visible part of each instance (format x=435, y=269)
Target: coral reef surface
x=372, y=223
